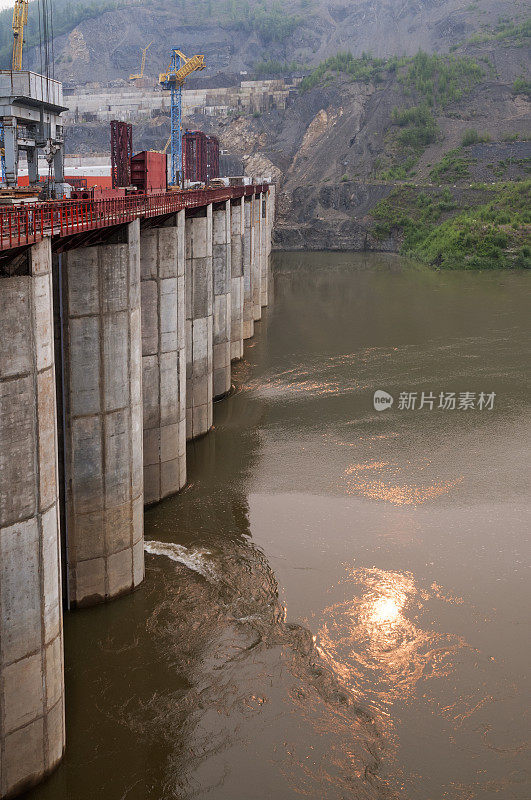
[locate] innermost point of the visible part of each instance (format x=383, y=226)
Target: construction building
x=30, y=111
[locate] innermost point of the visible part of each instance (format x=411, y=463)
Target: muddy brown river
x=336, y=607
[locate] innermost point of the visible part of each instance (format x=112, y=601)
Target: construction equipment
x=20, y=18
x=121, y=153
x=178, y=70
x=141, y=74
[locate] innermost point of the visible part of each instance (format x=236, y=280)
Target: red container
x=149, y=172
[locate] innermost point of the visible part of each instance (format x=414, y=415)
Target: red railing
x=25, y=224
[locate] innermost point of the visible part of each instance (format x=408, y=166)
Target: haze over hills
x=397, y=93
x=101, y=40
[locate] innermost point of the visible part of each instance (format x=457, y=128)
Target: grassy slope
x=493, y=234
x=439, y=230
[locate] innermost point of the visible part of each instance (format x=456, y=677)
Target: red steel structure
x=149, y=172
x=97, y=193
x=195, y=156
x=121, y=153
x=212, y=158
x=21, y=226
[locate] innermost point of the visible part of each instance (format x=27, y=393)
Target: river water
x=336, y=605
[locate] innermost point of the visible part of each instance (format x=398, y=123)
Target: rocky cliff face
x=338, y=148
x=107, y=47
x=328, y=149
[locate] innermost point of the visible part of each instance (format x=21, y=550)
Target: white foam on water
x=191, y=558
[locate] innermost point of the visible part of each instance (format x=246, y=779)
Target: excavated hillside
x=345, y=142
x=97, y=45
x=337, y=149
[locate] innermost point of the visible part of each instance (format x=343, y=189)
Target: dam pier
x=119, y=319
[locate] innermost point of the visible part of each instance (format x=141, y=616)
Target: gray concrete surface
x=162, y=268
x=264, y=254
x=103, y=418
x=32, y=729
x=237, y=290
x=256, y=266
x=199, y=323
x=221, y=283
x=248, y=257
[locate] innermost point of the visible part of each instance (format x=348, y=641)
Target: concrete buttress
x=237, y=291
x=264, y=252
x=221, y=282
x=257, y=259
x=162, y=267
x=271, y=212
x=248, y=254
x=32, y=730
x=103, y=417
x=199, y=323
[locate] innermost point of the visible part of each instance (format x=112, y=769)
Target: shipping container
x=149, y=172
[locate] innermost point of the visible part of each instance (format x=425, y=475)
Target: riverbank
x=482, y=226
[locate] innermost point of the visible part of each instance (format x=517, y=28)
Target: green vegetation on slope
x=440, y=80
x=522, y=86
x=436, y=79
x=365, y=69
x=269, y=20
x=419, y=128
x=435, y=229
x=452, y=167
x=432, y=81
x=472, y=136
x=263, y=69
x=506, y=29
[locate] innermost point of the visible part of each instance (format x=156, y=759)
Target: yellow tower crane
x=178, y=70
x=177, y=76
x=141, y=74
x=20, y=17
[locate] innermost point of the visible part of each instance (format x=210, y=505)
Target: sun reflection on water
x=381, y=488
x=385, y=610
x=376, y=640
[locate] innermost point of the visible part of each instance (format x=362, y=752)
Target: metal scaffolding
x=121, y=153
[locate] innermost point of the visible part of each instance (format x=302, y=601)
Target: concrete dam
x=119, y=321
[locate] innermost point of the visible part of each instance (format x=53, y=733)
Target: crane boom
x=142, y=66
x=187, y=66
x=20, y=18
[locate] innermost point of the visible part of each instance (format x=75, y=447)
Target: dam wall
x=32, y=730
x=114, y=344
